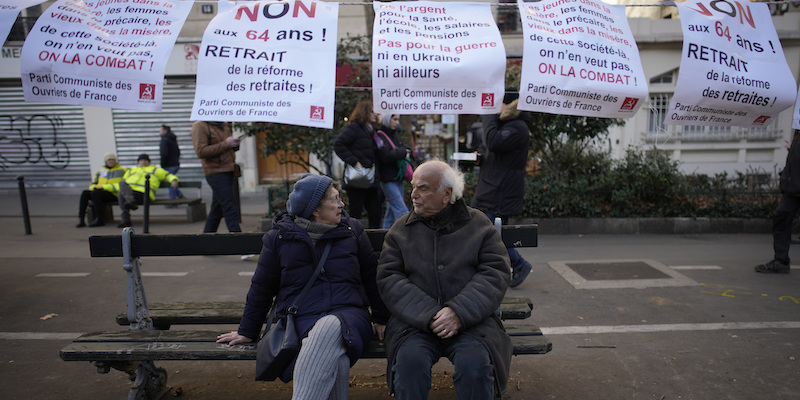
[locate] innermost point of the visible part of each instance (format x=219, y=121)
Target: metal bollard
x=146, y=227
x=23, y=197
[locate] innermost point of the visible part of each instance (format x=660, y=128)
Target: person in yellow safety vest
x=131, y=187
x=111, y=173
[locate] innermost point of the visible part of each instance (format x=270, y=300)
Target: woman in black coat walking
x=390, y=151
x=356, y=146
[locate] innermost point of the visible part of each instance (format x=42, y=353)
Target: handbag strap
x=293, y=308
x=387, y=138
x=299, y=300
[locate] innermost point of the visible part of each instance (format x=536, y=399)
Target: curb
x=674, y=226
x=635, y=226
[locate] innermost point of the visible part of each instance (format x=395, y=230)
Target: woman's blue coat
x=346, y=285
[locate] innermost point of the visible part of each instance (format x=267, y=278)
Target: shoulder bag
x=404, y=168
x=281, y=344
x=359, y=177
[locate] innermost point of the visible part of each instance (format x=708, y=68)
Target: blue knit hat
x=307, y=194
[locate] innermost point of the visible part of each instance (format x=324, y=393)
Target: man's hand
x=445, y=323
x=232, y=142
x=174, y=184
x=378, y=330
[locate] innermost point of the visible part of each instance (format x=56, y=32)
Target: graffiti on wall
x=32, y=139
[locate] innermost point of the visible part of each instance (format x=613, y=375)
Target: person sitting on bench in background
x=111, y=173
x=131, y=187
x=333, y=320
x=443, y=272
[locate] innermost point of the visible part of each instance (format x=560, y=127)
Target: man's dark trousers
x=782, y=226
x=223, y=203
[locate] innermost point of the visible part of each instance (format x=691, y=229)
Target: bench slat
x=165, y=315
x=185, y=200
x=183, y=184
x=201, y=345
x=248, y=243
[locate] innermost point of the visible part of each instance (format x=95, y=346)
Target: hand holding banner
x=270, y=62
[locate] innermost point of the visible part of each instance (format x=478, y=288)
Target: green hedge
x=643, y=184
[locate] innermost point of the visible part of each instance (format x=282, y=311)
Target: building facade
x=56, y=145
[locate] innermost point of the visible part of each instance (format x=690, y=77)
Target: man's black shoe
x=774, y=266
x=519, y=273
x=80, y=224
x=96, y=222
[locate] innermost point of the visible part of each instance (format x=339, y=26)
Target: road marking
x=579, y=282
x=574, y=330
x=247, y=273
x=165, y=273
x=62, y=275
x=690, y=267
x=554, y=330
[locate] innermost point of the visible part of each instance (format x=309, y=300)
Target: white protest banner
x=733, y=71
x=436, y=58
x=270, y=62
x=579, y=58
x=106, y=53
x=9, y=9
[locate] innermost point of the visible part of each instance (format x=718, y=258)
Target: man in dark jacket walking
x=442, y=273
x=501, y=181
x=170, y=156
x=787, y=210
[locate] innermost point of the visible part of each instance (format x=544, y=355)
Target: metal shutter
x=137, y=131
x=45, y=143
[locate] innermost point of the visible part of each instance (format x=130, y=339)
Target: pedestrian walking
x=356, y=146
x=170, y=156
x=787, y=210
x=501, y=180
x=392, y=153
x=216, y=147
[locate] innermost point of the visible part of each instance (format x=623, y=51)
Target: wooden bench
x=195, y=210
x=165, y=315
x=134, y=351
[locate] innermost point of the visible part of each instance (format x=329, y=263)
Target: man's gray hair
x=449, y=178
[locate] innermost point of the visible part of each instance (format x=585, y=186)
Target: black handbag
x=359, y=177
x=279, y=345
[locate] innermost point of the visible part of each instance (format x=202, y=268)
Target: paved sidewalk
x=630, y=316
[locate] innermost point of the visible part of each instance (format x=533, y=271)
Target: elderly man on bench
x=443, y=272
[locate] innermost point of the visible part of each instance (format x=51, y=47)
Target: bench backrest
x=250, y=243
x=183, y=184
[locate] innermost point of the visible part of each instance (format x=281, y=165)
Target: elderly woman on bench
x=333, y=320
